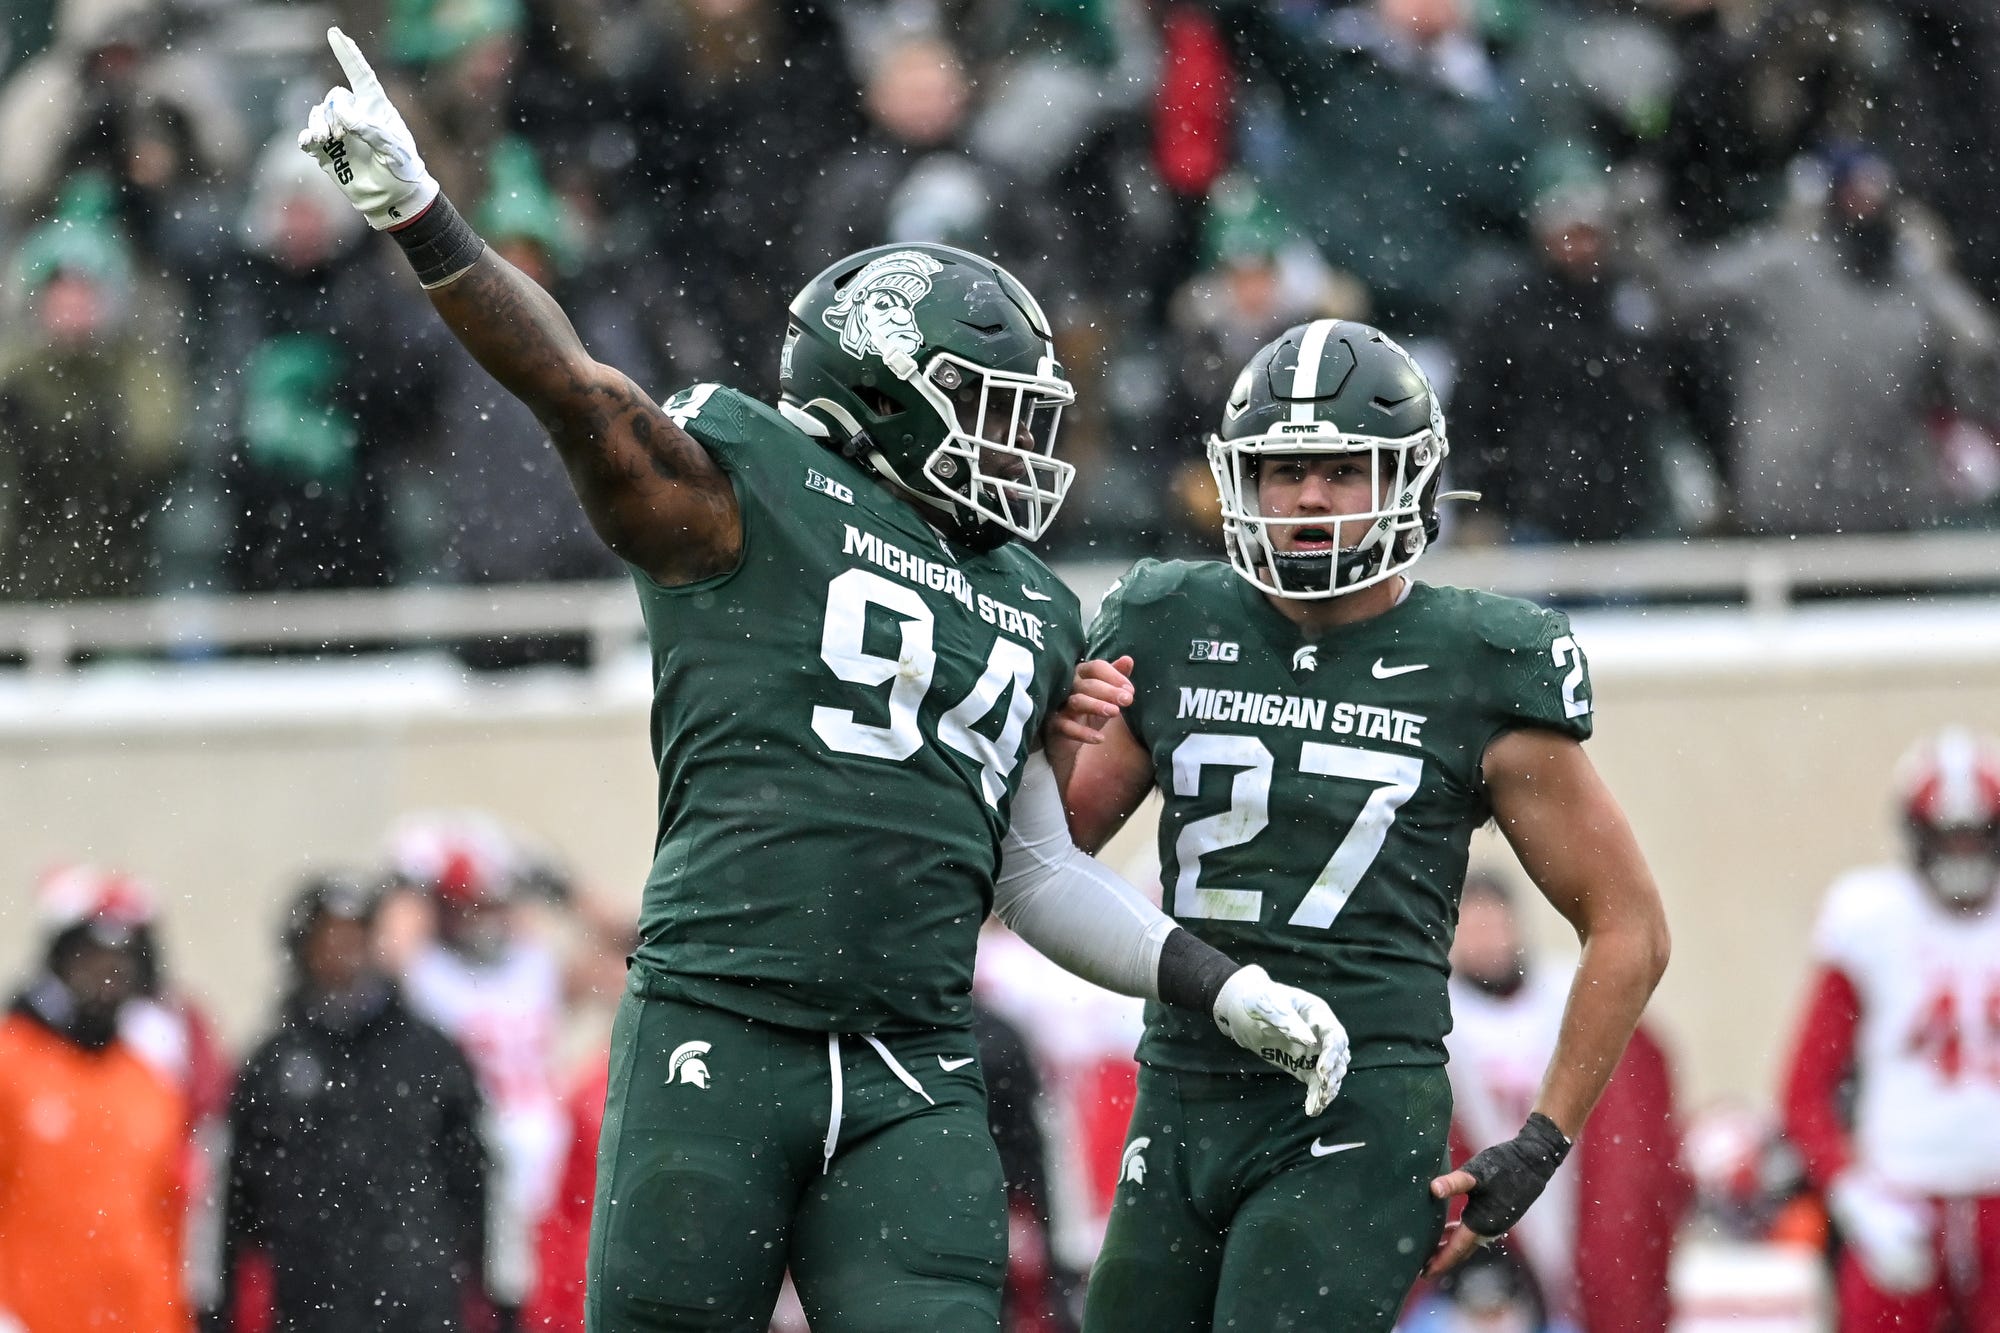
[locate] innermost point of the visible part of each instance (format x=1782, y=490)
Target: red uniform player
x=1906, y=1002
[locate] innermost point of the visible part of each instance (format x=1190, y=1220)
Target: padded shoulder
x=1862, y=908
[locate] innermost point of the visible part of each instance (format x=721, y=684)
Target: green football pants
x=1234, y=1211
x=734, y=1150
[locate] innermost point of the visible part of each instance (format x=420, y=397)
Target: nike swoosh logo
x=1381, y=672
x=1329, y=1149
x=1034, y=596
x=960, y=1063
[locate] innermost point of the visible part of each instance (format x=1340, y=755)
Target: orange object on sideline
x=91, y=1207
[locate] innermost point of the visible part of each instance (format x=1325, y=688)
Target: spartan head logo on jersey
x=1133, y=1168
x=685, y=1065
x=877, y=311
x=1306, y=658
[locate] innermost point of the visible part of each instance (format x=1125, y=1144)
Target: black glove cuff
x=1541, y=1132
x=1192, y=973
x=440, y=243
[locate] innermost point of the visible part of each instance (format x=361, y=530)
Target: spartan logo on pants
x=685, y=1065
x=877, y=311
x=1133, y=1168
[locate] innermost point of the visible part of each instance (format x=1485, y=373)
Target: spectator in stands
x=93, y=1140
x=1844, y=334
x=92, y=403
x=461, y=55
x=914, y=178
x=356, y=1167
x=1946, y=119
x=508, y=513
x=158, y=121
x=1560, y=391
x=320, y=426
x=497, y=993
x=1904, y=1003
x=1761, y=84
x=1261, y=280
x=738, y=110
x=1600, y=1240
x=1402, y=151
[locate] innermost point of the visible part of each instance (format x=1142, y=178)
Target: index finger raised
x=360, y=75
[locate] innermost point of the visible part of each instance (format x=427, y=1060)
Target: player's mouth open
x=1312, y=539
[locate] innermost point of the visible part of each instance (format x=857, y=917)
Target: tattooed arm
x=652, y=492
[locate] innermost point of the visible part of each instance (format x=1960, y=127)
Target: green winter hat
x=423, y=31
x=1081, y=28
x=81, y=238
x=1241, y=223
x=519, y=205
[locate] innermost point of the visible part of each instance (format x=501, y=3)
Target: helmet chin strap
x=1315, y=571
x=805, y=420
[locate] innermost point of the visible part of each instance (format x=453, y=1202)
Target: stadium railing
x=1764, y=577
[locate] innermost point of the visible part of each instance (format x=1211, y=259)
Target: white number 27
x=1395, y=778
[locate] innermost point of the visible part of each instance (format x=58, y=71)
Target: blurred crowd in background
x=1680, y=266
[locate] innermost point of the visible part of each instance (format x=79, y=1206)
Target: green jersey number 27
x=1393, y=776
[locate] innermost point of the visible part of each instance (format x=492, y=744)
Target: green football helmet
x=936, y=369
x=1331, y=387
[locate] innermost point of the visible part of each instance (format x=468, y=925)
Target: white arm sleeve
x=1068, y=904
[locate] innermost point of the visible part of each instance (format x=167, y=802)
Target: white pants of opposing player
x=526, y=1145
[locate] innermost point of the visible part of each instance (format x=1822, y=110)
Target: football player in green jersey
x=854, y=664
x=1327, y=733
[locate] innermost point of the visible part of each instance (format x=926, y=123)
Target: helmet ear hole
x=881, y=404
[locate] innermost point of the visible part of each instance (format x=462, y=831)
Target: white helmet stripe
x=1958, y=780
x=1305, y=379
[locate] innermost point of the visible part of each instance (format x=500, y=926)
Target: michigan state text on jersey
x=1327, y=734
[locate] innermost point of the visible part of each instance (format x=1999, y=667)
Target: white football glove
x=362, y=144
x=1890, y=1232
x=1293, y=1029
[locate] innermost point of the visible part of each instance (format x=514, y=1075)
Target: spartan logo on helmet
x=1133, y=1167
x=876, y=312
x=685, y=1065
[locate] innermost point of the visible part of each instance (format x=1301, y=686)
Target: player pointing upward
x=1327, y=734
x=853, y=662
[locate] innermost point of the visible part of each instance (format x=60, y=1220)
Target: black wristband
x=1192, y=973
x=440, y=243
x=1512, y=1175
